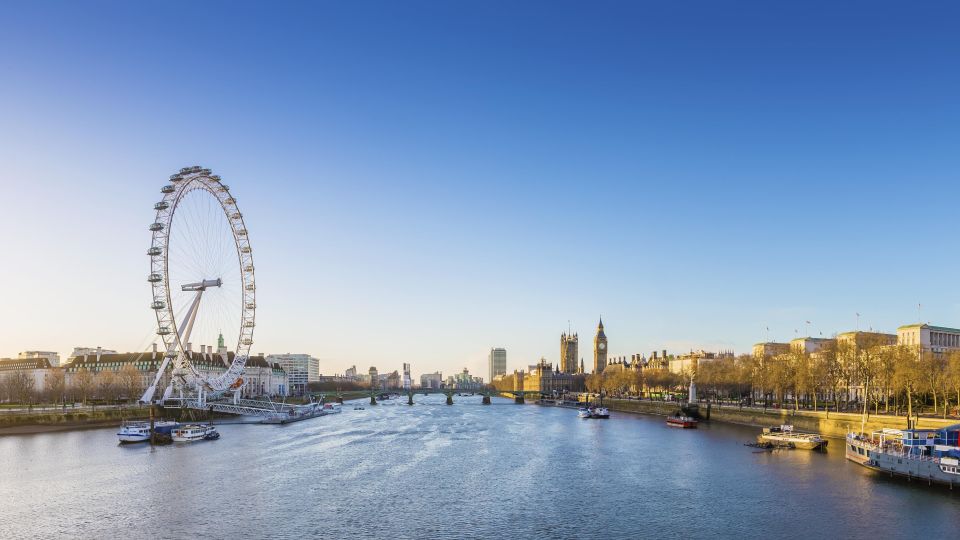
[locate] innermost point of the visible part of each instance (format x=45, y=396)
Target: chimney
x=154, y=347
x=189, y=347
x=664, y=354
x=99, y=351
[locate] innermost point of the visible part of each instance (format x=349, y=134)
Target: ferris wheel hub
x=202, y=285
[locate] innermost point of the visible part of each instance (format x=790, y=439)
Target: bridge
x=264, y=409
x=239, y=407
x=518, y=396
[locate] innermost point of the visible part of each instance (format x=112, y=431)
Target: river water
x=461, y=471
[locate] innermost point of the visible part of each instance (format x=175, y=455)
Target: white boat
x=785, y=435
x=600, y=412
x=134, y=432
x=583, y=412
x=194, y=432
x=332, y=408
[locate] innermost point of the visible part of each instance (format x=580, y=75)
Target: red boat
x=681, y=422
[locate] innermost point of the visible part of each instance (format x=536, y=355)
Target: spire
x=220, y=344
x=601, y=323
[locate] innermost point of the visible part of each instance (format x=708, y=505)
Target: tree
x=934, y=367
x=83, y=384
x=907, y=374
x=55, y=385
x=19, y=387
x=802, y=376
x=107, y=385
x=130, y=381
x=595, y=383
x=952, y=378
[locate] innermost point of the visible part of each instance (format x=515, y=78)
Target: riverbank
x=828, y=424
x=53, y=421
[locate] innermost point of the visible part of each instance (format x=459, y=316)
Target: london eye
x=202, y=284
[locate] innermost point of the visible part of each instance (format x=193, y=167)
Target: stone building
x=260, y=378
x=38, y=370
x=770, y=348
x=542, y=378
x=569, y=353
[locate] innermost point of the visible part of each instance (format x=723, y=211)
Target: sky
x=423, y=181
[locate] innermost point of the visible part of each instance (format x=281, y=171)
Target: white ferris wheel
x=202, y=279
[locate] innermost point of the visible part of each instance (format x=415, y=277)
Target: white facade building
x=937, y=339
x=52, y=357
x=300, y=368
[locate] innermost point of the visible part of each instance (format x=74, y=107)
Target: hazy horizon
x=423, y=182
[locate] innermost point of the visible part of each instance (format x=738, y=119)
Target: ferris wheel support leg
x=186, y=328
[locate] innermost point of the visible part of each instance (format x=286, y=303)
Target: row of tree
x=84, y=385
x=896, y=378
x=846, y=376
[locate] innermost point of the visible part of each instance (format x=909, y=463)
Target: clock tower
x=599, y=349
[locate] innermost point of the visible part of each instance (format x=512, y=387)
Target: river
x=461, y=471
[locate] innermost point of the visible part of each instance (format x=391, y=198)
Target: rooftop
x=934, y=328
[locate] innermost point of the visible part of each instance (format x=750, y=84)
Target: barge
x=922, y=454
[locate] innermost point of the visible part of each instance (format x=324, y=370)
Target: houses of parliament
x=569, y=347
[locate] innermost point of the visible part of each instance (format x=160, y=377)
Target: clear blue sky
x=426, y=180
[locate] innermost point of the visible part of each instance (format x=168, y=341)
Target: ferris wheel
x=202, y=280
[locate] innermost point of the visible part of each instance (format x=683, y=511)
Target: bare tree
x=130, y=381
x=20, y=387
x=83, y=384
x=55, y=384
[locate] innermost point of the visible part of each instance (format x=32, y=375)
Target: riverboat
x=923, y=454
x=784, y=435
x=583, y=412
x=332, y=408
x=684, y=422
x=195, y=432
x=599, y=412
x=134, y=432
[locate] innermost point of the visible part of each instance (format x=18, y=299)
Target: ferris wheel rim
x=186, y=181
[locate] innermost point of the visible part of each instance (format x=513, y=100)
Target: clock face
x=603, y=346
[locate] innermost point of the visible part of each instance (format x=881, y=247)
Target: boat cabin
x=942, y=442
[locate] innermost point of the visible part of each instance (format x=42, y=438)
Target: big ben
x=599, y=349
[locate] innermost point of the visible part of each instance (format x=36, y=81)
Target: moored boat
x=784, y=435
x=194, y=432
x=599, y=412
x=583, y=412
x=685, y=422
x=134, y=432
x=924, y=454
